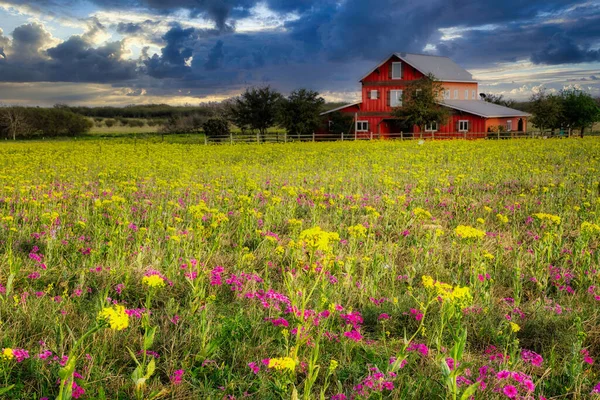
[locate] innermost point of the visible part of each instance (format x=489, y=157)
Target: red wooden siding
x=378, y=113
x=383, y=72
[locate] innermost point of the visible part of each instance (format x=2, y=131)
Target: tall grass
x=363, y=270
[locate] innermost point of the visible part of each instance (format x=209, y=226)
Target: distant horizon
x=117, y=53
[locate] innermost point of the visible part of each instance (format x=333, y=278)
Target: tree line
x=256, y=111
x=30, y=122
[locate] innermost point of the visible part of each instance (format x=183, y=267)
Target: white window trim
x=509, y=129
x=429, y=127
x=466, y=94
x=371, y=92
x=399, y=93
x=460, y=122
x=473, y=95
x=455, y=94
x=396, y=63
x=361, y=123
x=447, y=94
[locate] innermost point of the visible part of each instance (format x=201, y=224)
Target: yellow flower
x=427, y=281
x=502, y=218
x=514, y=327
x=589, y=228
x=116, y=317
x=421, y=213
x=357, y=231
x=154, y=281
x=318, y=239
x=7, y=354
x=552, y=219
x=480, y=221
x=459, y=295
x=282, y=363
x=468, y=232
x=332, y=365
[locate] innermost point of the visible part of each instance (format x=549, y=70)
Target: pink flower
x=353, y=335
x=503, y=374
x=78, y=391
x=596, y=388
x=254, y=367
x=416, y=313
x=531, y=357
x=177, y=376
x=510, y=391
x=421, y=348
x=20, y=355
x=383, y=316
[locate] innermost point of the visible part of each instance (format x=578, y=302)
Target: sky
x=120, y=52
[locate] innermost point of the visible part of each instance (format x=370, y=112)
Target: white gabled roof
x=483, y=108
x=443, y=68
x=339, y=108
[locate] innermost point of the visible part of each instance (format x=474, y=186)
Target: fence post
x=433, y=135
x=355, y=135
x=401, y=135
x=258, y=137
x=498, y=134
x=371, y=135
x=465, y=135
x=231, y=137
x=342, y=136
x=313, y=136
x=285, y=137
x=205, y=139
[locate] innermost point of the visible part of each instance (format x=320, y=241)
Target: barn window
x=509, y=125
x=362, y=126
x=447, y=94
x=396, y=70
x=374, y=94
x=432, y=127
x=473, y=95
x=463, y=126
x=396, y=98
x=330, y=123
x=466, y=94
x=455, y=94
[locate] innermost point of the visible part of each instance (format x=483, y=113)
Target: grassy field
x=131, y=269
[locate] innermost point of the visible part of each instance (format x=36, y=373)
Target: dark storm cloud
x=29, y=41
x=563, y=41
x=562, y=49
x=74, y=60
x=328, y=46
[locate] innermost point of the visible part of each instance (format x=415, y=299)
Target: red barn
x=382, y=92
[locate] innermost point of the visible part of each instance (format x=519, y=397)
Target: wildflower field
x=362, y=270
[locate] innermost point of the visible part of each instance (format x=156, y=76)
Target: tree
x=498, y=99
x=579, y=109
x=183, y=124
x=547, y=110
x=13, y=120
x=300, y=113
x=216, y=127
x=256, y=108
x=420, y=103
x=340, y=122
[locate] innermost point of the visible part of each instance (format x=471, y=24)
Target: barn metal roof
x=443, y=68
x=342, y=107
x=483, y=108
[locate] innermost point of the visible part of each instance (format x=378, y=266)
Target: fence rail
x=274, y=137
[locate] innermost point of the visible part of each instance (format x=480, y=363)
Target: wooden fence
x=276, y=137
